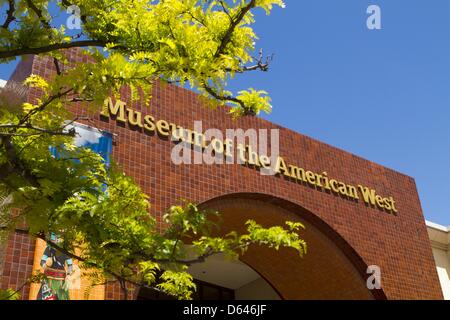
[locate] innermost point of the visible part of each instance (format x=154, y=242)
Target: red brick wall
x=397, y=243
x=113, y=291
x=18, y=262
x=23, y=70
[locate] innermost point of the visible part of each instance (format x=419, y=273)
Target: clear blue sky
x=381, y=94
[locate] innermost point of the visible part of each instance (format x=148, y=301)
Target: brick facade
x=18, y=262
x=365, y=235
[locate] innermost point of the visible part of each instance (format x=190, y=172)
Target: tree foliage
x=201, y=42
x=99, y=211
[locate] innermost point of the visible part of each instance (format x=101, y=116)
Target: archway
x=330, y=270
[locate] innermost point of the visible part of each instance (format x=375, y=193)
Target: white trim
x=87, y=127
x=437, y=226
x=82, y=125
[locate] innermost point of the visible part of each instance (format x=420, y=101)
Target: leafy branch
x=233, y=24
x=164, y=43
x=9, y=14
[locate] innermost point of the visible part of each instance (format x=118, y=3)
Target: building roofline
x=437, y=226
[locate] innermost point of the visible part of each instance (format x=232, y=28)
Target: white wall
x=258, y=289
x=440, y=244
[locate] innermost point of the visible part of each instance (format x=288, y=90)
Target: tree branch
x=16, y=165
x=222, y=4
x=71, y=132
x=260, y=65
x=38, y=12
x=44, y=105
x=18, y=290
x=52, y=47
x=227, y=37
x=56, y=63
x=217, y=96
x=10, y=14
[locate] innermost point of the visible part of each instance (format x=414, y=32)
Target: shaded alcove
x=234, y=275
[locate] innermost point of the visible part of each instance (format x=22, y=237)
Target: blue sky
x=381, y=94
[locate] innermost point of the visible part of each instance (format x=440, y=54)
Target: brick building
x=345, y=233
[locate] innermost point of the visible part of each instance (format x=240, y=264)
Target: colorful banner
x=64, y=280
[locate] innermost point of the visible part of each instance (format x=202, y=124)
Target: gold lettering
x=228, y=143
x=280, y=166
x=163, y=128
x=118, y=108
x=193, y=137
x=298, y=173
x=327, y=182
x=253, y=158
x=134, y=118
x=311, y=177
x=177, y=132
x=342, y=189
x=368, y=194
x=265, y=161
x=393, y=204
x=217, y=145
x=241, y=153
x=387, y=204
x=333, y=185
x=379, y=201
x=352, y=192
x=149, y=123
x=318, y=178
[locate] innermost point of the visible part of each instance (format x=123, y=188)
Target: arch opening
x=244, y=282
x=330, y=270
